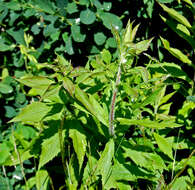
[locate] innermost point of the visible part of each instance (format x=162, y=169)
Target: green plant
x=68, y=120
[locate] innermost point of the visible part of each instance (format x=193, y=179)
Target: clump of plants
x=106, y=125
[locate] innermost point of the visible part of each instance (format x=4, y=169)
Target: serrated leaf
x=164, y=145
x=148, y=123
x=147, y=160
x=33, y=112
x=79, y=144
x=175, y=15
x=42, y=179
x=105, y=162
x=87, y=16
x=106, y=56
x=50, y=149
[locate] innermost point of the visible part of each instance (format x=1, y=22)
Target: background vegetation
x=91, y=100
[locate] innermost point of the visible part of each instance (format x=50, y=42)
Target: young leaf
x=177, y=53
x=175, y=15
x=79, y=144
x=33, y=112
x=164, y=145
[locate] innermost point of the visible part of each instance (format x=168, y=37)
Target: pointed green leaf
x=148, y=123
x=42, y=179
x=175, y=15
x=79, y=144
x=105, y=161
x=50, y=149
x=147, y=160
x=176, y=52
x=164, y=145
x=83, y=98
x=100, y=113
x=149, y=99
x=33, y=112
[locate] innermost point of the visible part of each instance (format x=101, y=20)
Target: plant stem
x=19, y=158
x=113, y=100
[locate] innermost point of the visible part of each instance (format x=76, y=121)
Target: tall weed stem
x=114, y=95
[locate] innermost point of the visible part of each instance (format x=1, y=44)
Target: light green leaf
x=76, y=33
x=32, y=113
x=148, y=123
x=87, y=16
x=42, y=179
x=50, y=149
x=177, y=53
x=106, y=56
x=164, y=145
x=141, y=46
x=100, y=113
x=35, y=81
x=175, y=15
x=79, y=144
x=5, y=47
x=105, y=162
x=4, y=152
x=83, y=98
x=147, y=160
x=149, y=99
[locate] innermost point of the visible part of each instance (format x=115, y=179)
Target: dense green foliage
x=114, y=117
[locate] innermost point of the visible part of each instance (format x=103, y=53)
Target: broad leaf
x=87, y=16
x=76, y=33
x=33, y=112
x=50, y=149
